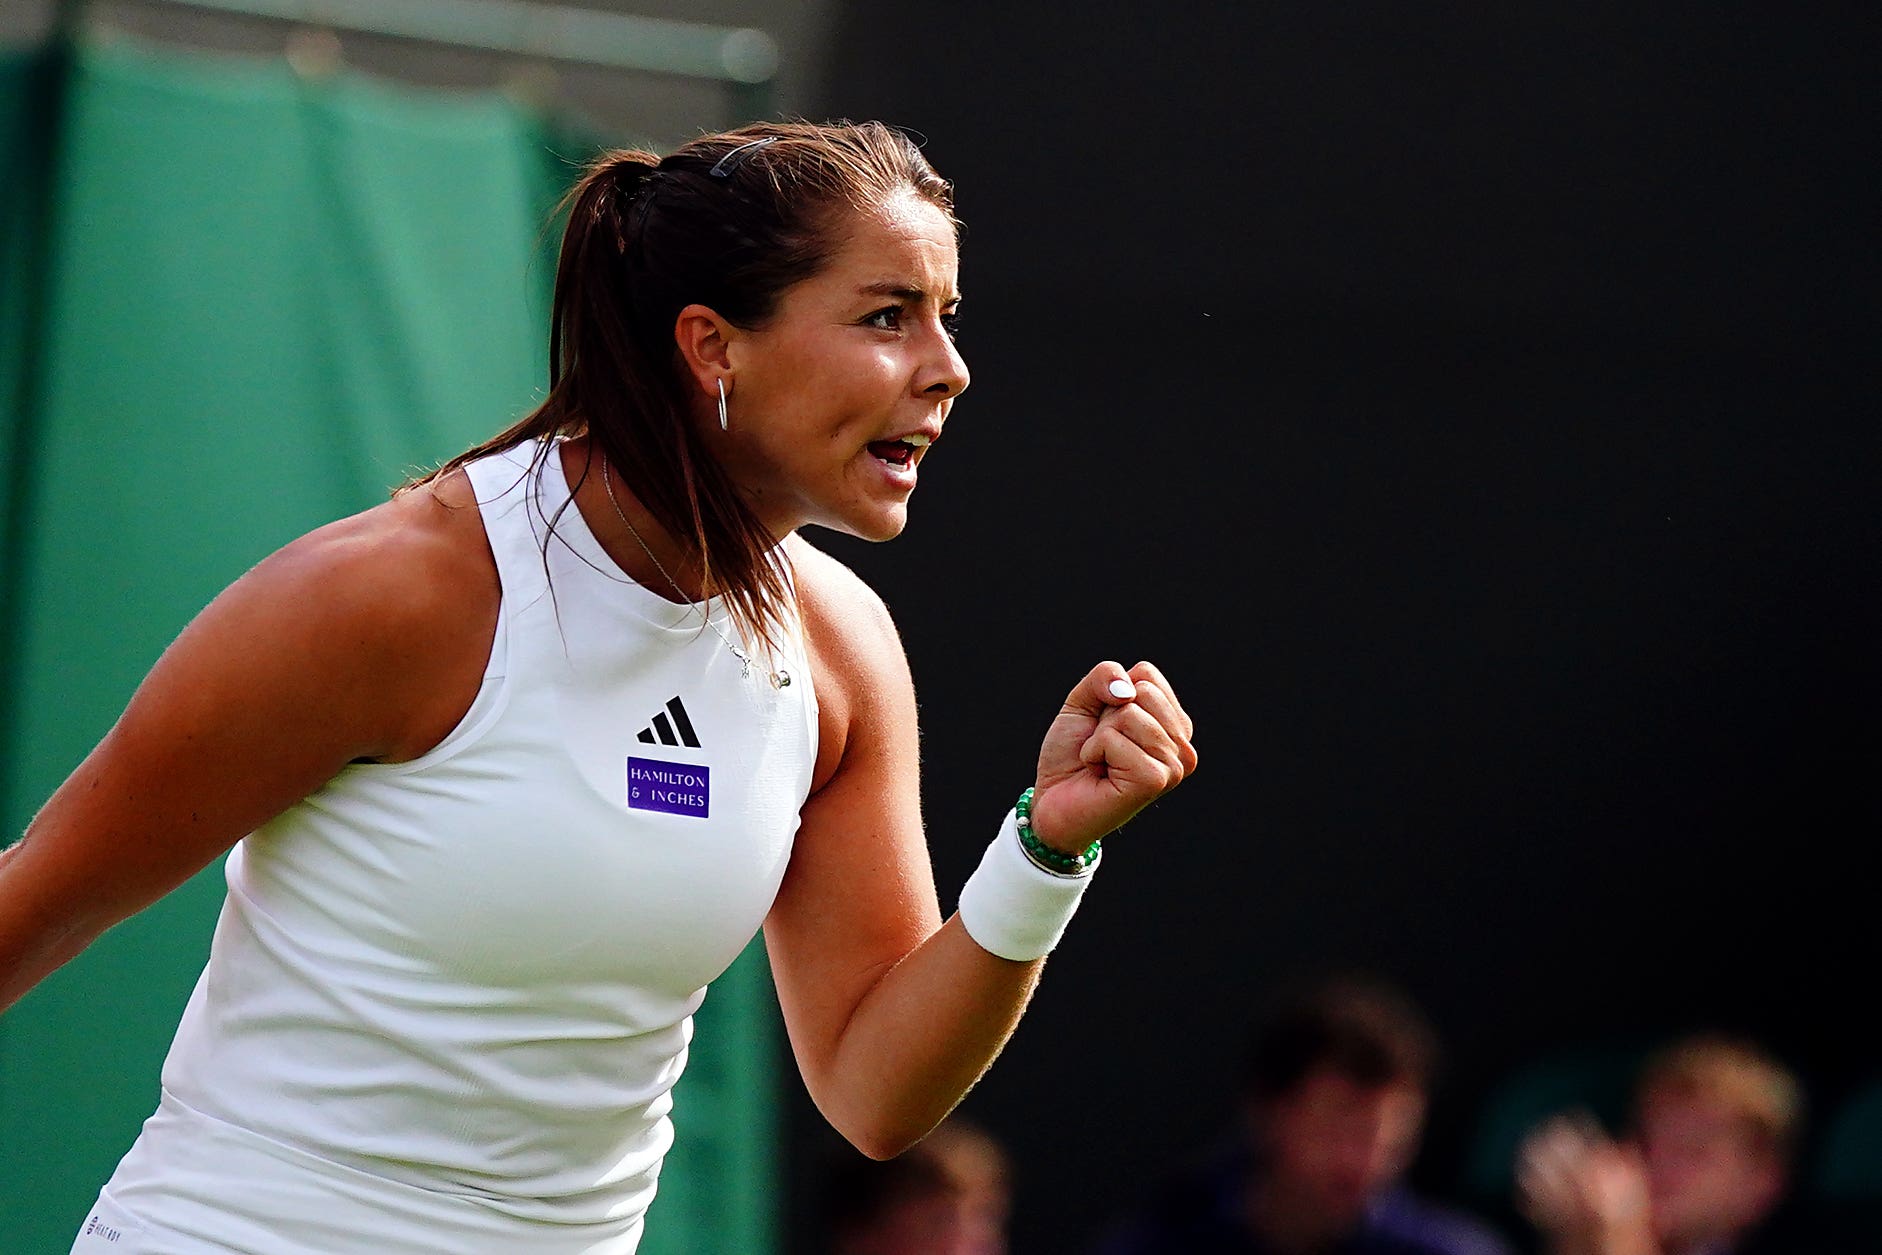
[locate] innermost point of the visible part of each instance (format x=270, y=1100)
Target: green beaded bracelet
x=1049, y=859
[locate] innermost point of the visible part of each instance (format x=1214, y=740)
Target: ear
x=704, y=340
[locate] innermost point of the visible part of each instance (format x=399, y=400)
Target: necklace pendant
x=744, y=664
x=780, y=679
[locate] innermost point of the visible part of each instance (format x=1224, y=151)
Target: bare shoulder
x=842, y=613
x=395, y=605
x=414, y=556
x=864, y=689
x=364, y=639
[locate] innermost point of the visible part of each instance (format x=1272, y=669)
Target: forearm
x=34, y=942
x=25, y=961
x=919, y=1039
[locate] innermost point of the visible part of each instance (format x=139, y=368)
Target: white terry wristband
x=1015, y=908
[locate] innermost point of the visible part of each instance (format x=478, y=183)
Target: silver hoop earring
x=725, y=424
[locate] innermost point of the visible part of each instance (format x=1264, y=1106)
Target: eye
x=887, y=319
x=951, y=323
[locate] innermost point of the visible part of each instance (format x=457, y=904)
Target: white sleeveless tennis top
x=447, y=1000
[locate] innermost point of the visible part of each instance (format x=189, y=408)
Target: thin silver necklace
x=779, y=678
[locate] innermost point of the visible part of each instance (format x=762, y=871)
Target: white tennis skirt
x=195, y=1185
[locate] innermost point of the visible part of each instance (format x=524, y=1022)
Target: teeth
x=918, y=440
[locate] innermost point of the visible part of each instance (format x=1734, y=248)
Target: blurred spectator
x=1715, y=1124
x=949, y=1194
x=1332, y=1108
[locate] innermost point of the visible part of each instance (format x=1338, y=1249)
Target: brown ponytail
x=729, y=223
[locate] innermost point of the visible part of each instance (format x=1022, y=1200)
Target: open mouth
x=898, y=453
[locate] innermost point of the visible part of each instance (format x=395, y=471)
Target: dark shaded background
x=1471, y=409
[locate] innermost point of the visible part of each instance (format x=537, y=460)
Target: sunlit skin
x=1330, y=1145
x=860, y=352
x=863, y=351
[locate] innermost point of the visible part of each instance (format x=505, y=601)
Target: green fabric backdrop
x=265, y=301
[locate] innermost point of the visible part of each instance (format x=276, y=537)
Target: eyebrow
x=903, y=292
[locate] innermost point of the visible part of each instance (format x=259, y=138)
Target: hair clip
x=722, y=169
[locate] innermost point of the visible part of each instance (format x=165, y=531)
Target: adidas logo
x=677, y=730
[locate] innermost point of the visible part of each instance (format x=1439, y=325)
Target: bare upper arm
x=859, y=893
x=363, y=639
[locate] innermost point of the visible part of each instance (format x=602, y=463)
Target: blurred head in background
x=1714, y=1125
x=1716, y=1121
x=1333, y=1093
x=1335, y=1089
x=950, y=1194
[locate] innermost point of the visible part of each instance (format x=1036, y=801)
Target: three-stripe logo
x=677, y=730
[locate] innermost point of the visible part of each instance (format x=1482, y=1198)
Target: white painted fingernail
x=1123, y=688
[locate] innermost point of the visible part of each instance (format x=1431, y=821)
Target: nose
x=946, y=375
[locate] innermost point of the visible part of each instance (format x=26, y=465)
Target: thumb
x=1105, y=685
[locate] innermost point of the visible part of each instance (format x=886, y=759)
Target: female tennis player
x=516, y=763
